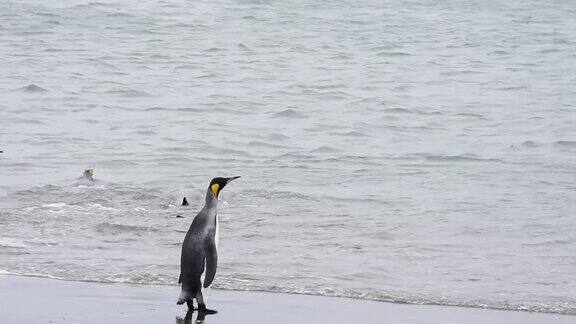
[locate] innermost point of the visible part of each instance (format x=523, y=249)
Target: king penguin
x=200, y=250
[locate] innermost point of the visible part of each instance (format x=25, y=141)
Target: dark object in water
x=185, y=202
x=88, y=174
x=179, y=216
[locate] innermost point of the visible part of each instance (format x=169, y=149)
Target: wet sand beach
x=42, y=300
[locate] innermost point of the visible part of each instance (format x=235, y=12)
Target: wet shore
x=42, y=300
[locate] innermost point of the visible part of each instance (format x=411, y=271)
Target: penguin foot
x=202, y=309
x=207, y=311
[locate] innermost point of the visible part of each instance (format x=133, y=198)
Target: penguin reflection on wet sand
x=188, y=319
x=199, y=250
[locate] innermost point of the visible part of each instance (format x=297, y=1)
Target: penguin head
x=217, y=184
x=88, y=174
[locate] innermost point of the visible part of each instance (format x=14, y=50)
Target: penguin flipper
x=211, y=262
x=180, y=278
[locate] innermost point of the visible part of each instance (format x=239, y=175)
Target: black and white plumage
x=199, y=258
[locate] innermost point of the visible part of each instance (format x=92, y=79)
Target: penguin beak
x=233, y=178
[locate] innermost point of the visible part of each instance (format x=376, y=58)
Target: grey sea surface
x=407, y=151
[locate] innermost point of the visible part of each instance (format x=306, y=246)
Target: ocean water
x=407, y=151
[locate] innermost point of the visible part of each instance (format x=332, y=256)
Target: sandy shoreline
x=41, y=300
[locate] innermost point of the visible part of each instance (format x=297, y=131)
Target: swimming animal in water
x=200, y=250
x=185, y=202
x=88, y=174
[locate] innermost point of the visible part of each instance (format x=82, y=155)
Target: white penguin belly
x=203, y=290
x=217, y=234
x=216, y=239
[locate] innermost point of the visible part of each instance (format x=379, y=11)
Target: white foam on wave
x=60, y=206
x=11, y=242
x=54, y=205
x=98, y=206
x=90, y=187
x=40, y=275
